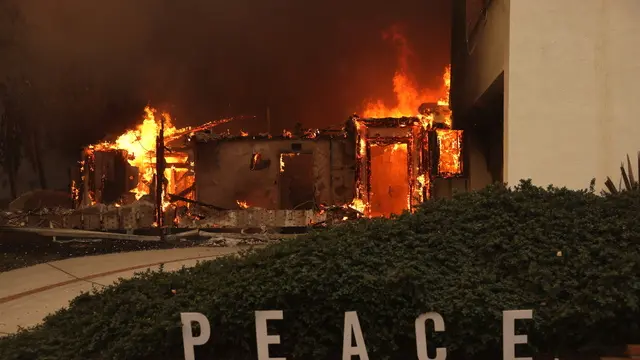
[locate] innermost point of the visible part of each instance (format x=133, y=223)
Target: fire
x=140, y=145
x=358, y=205
x=282, y=157
x=255, y=159
x=398, y=146
x=422, y=181
x=450, y=145
x=242, y=204
x=409, y=97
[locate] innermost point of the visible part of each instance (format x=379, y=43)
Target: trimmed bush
x=572, y=256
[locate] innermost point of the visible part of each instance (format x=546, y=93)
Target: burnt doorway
x=389, y=179
x=296, y=181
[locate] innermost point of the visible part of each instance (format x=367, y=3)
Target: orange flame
x=450, y=145
x=140, y=145
x=358, y=205
x=282, y=157
x=409, y=96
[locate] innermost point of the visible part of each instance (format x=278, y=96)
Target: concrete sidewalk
x=27, y=295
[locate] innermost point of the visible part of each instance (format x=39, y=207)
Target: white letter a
x=352, y=326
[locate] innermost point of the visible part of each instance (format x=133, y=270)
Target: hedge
x=571, y=256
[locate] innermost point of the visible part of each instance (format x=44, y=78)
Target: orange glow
x=450, y=146
x=242, y=204
x=282, y=156
x=389, y=181
x=397, y=147
x=358, y=205
x=255, y=159
x=140, y=147
x=409, y=96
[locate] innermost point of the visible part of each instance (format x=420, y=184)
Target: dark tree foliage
x=571, y=256
x=19, y=128
x=10, y=138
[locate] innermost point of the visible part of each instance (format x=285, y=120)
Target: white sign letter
x=509, y=337
x=263, y=340
x=352, y=326
x=421, y=335
x=187, y=335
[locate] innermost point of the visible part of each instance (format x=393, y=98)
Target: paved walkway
x=27, y=295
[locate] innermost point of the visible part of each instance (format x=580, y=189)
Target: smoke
x=97, y=63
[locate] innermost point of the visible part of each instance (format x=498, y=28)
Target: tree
x=18, y=135
x=10, y=139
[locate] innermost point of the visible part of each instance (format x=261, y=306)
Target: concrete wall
x=480, y=56
x=223, y=173
x=480, y=43
x=571, y=90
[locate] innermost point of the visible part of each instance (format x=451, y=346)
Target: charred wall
x=249, y=170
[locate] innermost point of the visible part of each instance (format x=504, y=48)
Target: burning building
x=383, y=163
x=398, y=160
x=125, y=170
x=286, y=172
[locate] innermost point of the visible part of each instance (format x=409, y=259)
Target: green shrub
x=572, y=256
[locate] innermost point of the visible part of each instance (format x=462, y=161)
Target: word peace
x=351, y=328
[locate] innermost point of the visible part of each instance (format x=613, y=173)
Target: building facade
x=547, y=88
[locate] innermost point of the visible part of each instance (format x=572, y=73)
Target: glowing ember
x=363, y=147
x=282, y=157
x=358, y=205
x=397, y=147
x=422, y=181
x=242, y=204
x=450, y=145
x=255, y=159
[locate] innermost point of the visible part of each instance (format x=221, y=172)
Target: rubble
x=194, y=178
x=37, y=199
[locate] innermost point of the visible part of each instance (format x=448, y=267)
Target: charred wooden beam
x=160, y=179
x=175, y=198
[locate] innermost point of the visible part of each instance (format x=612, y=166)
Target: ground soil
x=20, y=250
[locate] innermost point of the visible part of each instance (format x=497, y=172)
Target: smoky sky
x=98, y=62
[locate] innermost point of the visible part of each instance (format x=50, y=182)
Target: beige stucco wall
x=572, y=90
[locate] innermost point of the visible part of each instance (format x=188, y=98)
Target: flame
x=421, y=180
x=255, y=159
x=409, y=96
x=450, y=145
x=282, y=157
x=358, y=205
x=242, y=204
x=139, y=145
